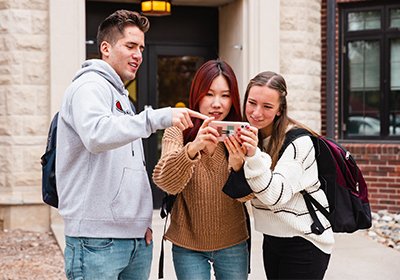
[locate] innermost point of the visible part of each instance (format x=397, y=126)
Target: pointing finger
x=198, y=115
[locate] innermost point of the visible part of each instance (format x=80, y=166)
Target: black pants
x=293, y=258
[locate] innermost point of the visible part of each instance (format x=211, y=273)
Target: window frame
x=383, y=35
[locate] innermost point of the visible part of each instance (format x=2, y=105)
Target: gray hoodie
x=102, y=182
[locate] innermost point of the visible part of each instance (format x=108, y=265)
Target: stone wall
x=24, y=110
x=300, y=59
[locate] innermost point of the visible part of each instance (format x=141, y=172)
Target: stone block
x=300, y=81
x=40, y=22
x=29, y=4
x=31, y=42
x=2, y=101
x=34, y=217
x=5, y=160
x=27, y=178
x=35, y=126
x=36, y=68
x=5, y=129
x=21, y=101
x=17, y=21
x=31, y=156
x=43, y=103
x=3, y=45
x=10, y=58
x=2, y=179
x=17, y=160
x=10, y=74
x=3, y=21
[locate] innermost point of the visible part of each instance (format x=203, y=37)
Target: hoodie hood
x=105, y=70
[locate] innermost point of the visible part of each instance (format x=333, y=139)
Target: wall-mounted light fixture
x=156, y=8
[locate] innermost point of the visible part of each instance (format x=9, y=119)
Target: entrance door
x=170, y=70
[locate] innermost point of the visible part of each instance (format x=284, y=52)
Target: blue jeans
x=230, y=263
x=107, y=258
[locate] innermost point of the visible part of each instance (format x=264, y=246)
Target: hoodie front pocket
x=133, y=196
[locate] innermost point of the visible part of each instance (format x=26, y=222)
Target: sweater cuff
x=256, y=165
x=197, y=157
x=236, y=186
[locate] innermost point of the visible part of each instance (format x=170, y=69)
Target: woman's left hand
x=249, y=139
x=236, y=152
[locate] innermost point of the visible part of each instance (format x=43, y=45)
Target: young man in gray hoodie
x=104, y=192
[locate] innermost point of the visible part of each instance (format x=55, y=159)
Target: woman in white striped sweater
x=290, y=249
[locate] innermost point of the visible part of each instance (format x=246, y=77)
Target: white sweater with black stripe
x=279, y=208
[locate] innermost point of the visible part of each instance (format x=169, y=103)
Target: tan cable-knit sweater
x=203, y=217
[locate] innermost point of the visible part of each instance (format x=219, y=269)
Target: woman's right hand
x=249, y=139
x=205, y=136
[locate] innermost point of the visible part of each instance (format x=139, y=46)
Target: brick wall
x=380, y=163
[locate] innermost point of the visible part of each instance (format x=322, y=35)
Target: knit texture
x=203, y=218
x=279, y=207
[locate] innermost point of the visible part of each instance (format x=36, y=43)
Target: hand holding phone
x=227, y=128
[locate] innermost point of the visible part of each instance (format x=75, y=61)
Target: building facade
x=328, y=51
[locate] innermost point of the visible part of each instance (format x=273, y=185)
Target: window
x=370, y=70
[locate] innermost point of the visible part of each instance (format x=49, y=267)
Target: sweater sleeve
x=175, y=168
x=275, y=187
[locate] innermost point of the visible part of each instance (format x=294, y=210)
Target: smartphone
x=226, y=128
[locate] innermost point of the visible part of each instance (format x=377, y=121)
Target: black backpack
x=167, y=204
x=48, y=161
x=342, y=182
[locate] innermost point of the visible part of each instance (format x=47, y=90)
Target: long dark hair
x=201, y=84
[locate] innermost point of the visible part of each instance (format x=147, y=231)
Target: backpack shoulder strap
x=292, y=135
x=52, y=135
x=161, y=259
x=165, y=211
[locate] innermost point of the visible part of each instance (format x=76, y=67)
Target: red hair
x=201, y=84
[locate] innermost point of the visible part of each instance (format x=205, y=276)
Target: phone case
x=227, y=128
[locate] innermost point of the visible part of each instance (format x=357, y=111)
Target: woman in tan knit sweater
x=206, y=225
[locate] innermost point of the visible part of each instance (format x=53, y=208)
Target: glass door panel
x=394, y=98
x=364, y=88
x=175, y=74
x=174, y=77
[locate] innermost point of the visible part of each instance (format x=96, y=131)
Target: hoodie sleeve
x=100, y=129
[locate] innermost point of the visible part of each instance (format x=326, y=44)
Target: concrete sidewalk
x=355, y=256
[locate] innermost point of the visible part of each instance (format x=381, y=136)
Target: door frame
x=147, y=95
